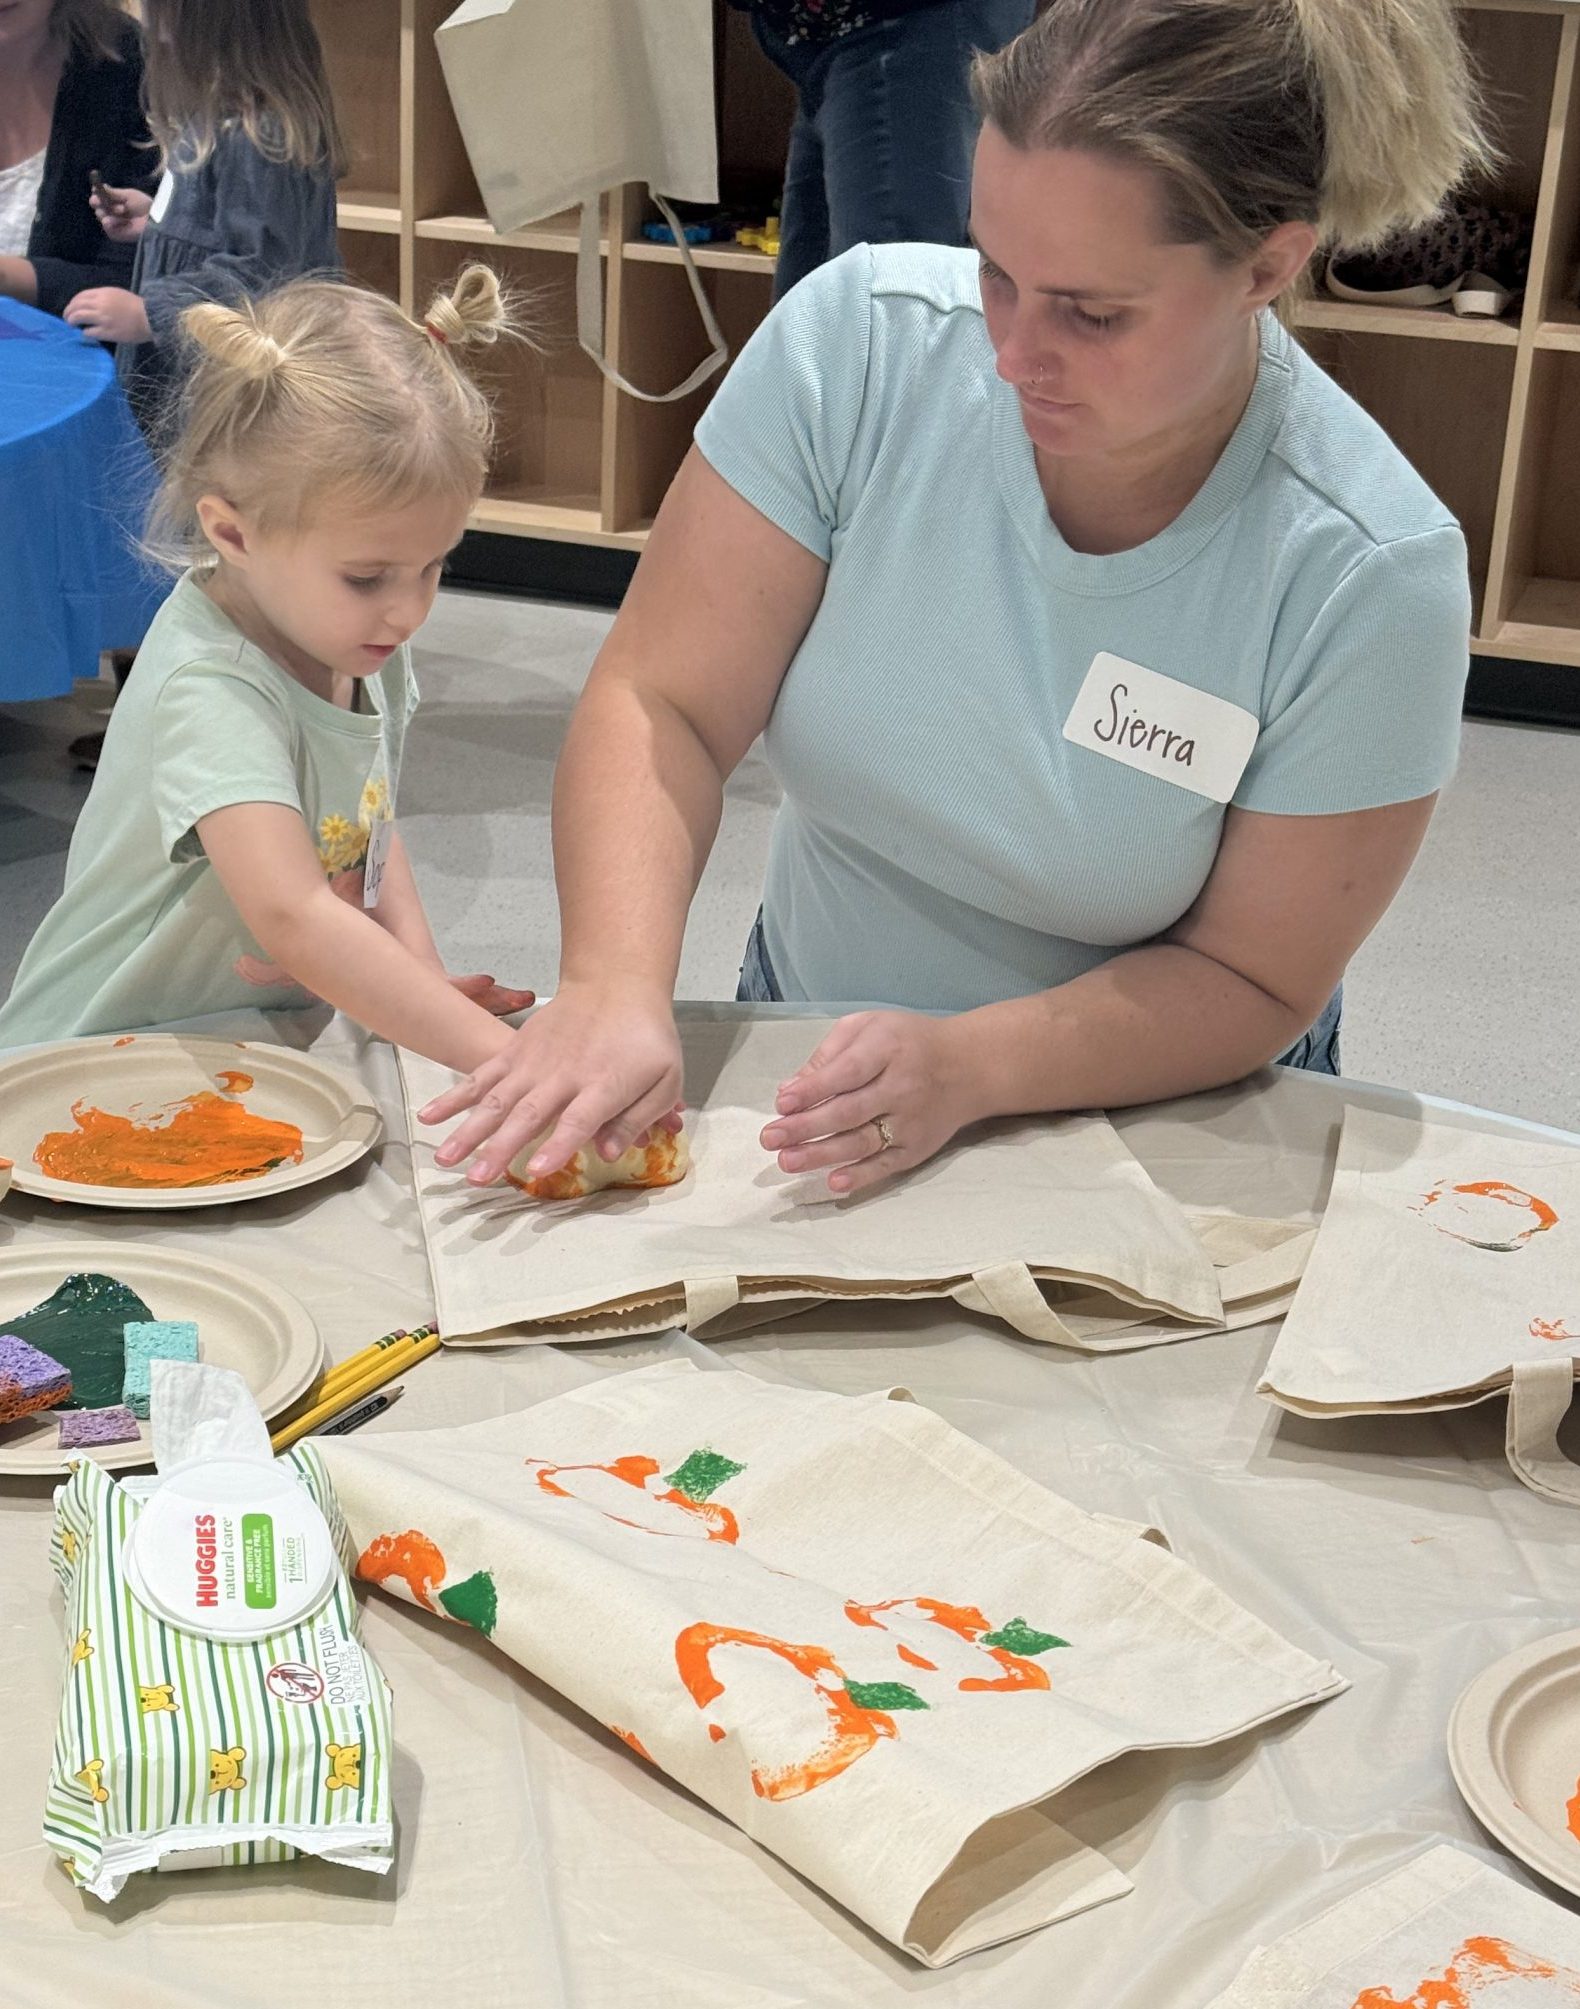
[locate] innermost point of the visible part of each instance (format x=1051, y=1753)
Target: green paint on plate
x=702, y=1474
x=474, y=1602
x=883, y=1695
x=83, y=1326
x=1019, y=1637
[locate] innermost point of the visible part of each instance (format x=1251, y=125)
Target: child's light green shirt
x=144, y=932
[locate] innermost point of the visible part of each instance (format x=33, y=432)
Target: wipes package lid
x=230, y=1550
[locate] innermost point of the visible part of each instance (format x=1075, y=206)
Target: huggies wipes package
x=219, y=1707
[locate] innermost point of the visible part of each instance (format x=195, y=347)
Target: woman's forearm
x=1153, y=1023
x=637, y=802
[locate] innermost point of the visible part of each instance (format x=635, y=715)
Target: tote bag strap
x=1010, y=1292
x=1538, y=1403
x=589, y=308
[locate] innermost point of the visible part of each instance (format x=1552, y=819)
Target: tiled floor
x=1469, y=988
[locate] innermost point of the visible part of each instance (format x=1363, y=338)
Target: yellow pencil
x=358, y=1363
x=397, y=1360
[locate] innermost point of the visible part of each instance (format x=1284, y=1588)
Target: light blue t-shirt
x=941, y=843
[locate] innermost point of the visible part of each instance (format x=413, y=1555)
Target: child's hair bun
x=474, y=310
x=233, y=338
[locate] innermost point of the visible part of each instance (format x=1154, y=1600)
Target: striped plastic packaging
x=177, y=1752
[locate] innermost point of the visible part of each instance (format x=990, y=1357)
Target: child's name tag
x=162, y=195
x=1162, y=727
x=379, y=840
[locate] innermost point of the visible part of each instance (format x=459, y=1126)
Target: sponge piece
x=29, y=1380
x=97, y=1426
x=148, y=1340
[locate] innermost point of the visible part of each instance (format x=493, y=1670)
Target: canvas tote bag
x=1446, y=1270
x=559, y=100
x=870, y=1642
x=1007, y=1207
x=1444, y=1932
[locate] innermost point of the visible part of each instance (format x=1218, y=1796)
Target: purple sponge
x=97, y=1426
x=29, y=1380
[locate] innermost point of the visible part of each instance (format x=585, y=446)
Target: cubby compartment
x=372, y=258
x=361, y=41
x=547, y=395
x=1446, y=407
x=1541, y=585
x=661, y=340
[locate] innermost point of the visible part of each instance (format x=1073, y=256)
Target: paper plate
x=147, y=1072
x=1514, y=1747
x=243, y=1322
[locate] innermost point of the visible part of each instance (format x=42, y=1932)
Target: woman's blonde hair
x=256, y=64
x=97, y=27
x=1354, y=116
x=323, y=396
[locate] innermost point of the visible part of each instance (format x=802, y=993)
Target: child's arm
x=266, y=863
x=400, y=913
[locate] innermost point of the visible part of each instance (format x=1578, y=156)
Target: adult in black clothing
x=71, y=75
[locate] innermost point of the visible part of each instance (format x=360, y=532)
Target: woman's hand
x=109, y=314
x=500, y=999
x=597, y=1065
x=122, y=212
x=879, y=1075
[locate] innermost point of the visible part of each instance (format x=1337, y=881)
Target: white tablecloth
x=541, y=1864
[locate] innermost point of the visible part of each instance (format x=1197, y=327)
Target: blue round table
x=75, y=480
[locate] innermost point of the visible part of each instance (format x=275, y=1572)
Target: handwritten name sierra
x=1124, y=727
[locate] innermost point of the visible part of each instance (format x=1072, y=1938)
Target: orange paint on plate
x=1479, y=1966
x=205, y=1140
x=1572, y=1809
x=125, y=1039
x=233, y=1081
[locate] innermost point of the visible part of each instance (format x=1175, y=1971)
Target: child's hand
x=110, y=314
x=122, y=212
x=497, y=998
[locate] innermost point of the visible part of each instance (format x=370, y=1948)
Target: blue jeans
x=880, y=152
x=1316, y=1050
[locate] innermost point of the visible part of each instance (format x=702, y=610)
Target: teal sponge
x=148, y=1340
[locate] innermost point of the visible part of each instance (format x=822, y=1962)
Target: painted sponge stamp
x=83, y=1326
x=663, y=1161
x=81, y=1427
x=148, y=1340
x=29, y=1380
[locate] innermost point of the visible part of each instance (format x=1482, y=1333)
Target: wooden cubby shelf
x=1487, y=410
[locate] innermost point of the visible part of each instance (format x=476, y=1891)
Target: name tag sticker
x=1162, y=727
x=162, y=195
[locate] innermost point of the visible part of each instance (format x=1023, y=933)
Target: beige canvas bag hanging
x=1444, y=1930
x=1446, y=1271
x=1009, y=1206
x=868, y=1641
x=560, y=100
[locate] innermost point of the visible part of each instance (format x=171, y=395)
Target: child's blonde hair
x=252, y=63
x=326, y=396
x=1354, y=116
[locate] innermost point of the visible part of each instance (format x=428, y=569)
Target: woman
x=71, y=76
x=1109, y=656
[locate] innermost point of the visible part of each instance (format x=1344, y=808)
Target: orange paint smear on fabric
x=1479, y=1964
x=852, y=1730
x=630, y=1737
x=205, y=1140
x=412, y=1557
x=967, y=1623
x=1572, y=1810
x=1552, y=1328
x=720, y=1523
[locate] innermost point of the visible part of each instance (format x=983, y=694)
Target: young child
x=239, y=844
x=240, y=106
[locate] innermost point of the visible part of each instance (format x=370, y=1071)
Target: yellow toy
x=766, y=239
x=345, y=1766
x=224, y=1770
